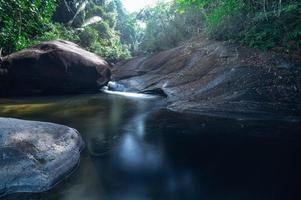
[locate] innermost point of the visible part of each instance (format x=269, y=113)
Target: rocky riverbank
x=217, y=78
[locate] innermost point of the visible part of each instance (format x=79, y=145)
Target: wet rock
x=34, y=156
x=55, y=67
x=218, y=78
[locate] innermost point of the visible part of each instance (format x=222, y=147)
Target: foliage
x=21, y=20
x=104, y=36
x=104, y=27
x=268, y=29
x=262, y=24
x=108, y=47
x=128, y=26
x=56, y=31
x=24, y=23
x=166, y=28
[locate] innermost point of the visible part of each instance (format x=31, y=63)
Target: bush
x=260, y=24
x=269, y=29
x=22, y=20
x=24, y=23
x=112, y=51
x=57, y=31
x=166, y=28
x=87, y=37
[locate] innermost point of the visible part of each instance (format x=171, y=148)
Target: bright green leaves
x=56, y=31
x=28, y=22
x=103, y=37
x=22, y=20
x=262, y=24
x=221, y=12
x=214, y=12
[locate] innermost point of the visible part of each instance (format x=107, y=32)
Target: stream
x=137, y=149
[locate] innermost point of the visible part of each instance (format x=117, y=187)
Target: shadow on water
x=135, y=149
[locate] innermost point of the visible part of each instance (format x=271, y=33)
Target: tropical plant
x=167, y=28
x=22, y=20
x=262, y=24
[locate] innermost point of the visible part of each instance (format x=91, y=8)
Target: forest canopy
x=93, y=24
x=107, y=29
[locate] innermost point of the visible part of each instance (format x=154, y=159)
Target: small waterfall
x=115, y=88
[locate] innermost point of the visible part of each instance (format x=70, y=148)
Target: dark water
x=135, y=149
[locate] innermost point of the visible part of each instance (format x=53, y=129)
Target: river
x=137, y=149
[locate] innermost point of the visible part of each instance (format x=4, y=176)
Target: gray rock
x=34, y=156
x=217, y=78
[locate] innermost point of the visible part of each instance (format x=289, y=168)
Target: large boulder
x=219, y=78
x=34, y=156
x=55, y=67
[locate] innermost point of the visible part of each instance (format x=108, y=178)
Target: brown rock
x=55, y=67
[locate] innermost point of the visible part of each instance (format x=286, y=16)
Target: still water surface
x=136, y=149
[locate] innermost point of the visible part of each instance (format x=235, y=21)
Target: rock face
x=218, y=78
x=55, y=67
x=34, y=156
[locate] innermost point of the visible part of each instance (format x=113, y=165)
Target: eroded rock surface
x=34, y=156
x=55, y=67
x=218, y=78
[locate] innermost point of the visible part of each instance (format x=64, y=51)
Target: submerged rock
x=218, y=78
x=55, y=67
x=34, y=156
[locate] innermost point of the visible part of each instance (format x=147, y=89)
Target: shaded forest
x=107, y=29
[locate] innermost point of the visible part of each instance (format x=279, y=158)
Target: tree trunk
x=279, y=7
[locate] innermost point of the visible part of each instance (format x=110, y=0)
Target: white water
x=129, y=94
x=117, y=89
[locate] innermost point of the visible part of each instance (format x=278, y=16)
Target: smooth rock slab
x=34, y=156
x=218, y=78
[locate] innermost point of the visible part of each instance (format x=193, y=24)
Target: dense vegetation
x=21, y=20
x=104, y=27
x=264, y=24
x=166, y=27
x=93, y=24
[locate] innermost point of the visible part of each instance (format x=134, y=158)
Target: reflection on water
x=137, y=150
